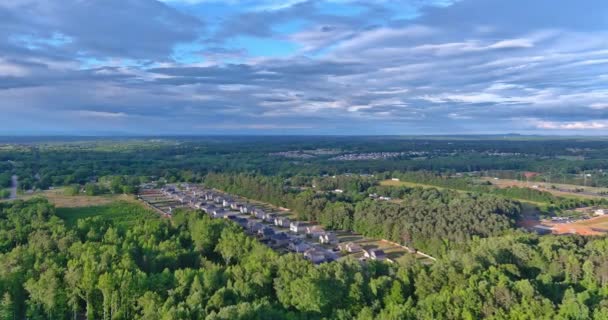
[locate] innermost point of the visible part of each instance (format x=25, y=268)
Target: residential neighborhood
x=273, y=227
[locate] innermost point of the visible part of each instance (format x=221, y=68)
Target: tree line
x=193, y=267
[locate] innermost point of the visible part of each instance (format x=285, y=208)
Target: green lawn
x=121, y=213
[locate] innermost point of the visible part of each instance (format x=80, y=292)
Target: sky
x=291, y=67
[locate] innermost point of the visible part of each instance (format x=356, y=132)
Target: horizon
x=146, y=68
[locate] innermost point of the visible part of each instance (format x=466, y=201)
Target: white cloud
x=599, y=106
x=512, y=43
x=101, y=114
x=576, y=125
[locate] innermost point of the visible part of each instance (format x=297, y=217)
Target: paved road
x=14, y=187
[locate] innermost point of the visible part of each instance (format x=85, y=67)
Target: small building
x=599, y=212
x=339, y=191
x=350, y=247
x=265, y=233
x=282, y=222
x=254, y=226
x=298, y=246
x=209, y=208
x=241, y=222
x=269, y=217
x=375, y=254
x=297, y=227
x=259, y=213
x=328, y=238
x=218, y=213
x=280, y=239
x=314, y=231
x=315, y=255
x=319, y=255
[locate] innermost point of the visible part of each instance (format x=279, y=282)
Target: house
x=315, y=255
x=246, y=209
x=395, y=179
x=350, y=247
x=375, y=254
x=319, y=255
x=269, y=217
x=218, y=213
x=599, y=212
x=265, y=233
x=282, y=222
x=328, y=238
x=314, y=231
x=298, y=246
x=254, y=226
x=209, y=208
x=280, y=239
x=199, y=205
x=236, y=206
x=384, y=198
x=297, y=227
x=229, y=215
x=241, y=222
x=259, y=213
x=218, y=199
x=339, y=191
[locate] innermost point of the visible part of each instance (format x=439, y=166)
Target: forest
x=121, y=261
x=44, y=162
x=192, y=267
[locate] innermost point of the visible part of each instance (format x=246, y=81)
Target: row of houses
x=261, y=224
x=276, y=230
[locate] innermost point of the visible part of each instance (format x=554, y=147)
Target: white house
x=297, y=227
x=282, y=222
x=350, y=247
x=328, y=238
x=375, y=254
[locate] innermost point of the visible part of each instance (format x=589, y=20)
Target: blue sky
x=303, y=67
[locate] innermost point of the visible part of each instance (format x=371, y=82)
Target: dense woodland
x=41, y=163
x=192, y=267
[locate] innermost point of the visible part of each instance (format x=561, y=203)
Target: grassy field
x=122, y=213
x=61, y=200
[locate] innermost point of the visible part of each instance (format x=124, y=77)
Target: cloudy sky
x=303, y=67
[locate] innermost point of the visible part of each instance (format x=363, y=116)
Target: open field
x=61, y=200
x=122, y=213
x=561, y=190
